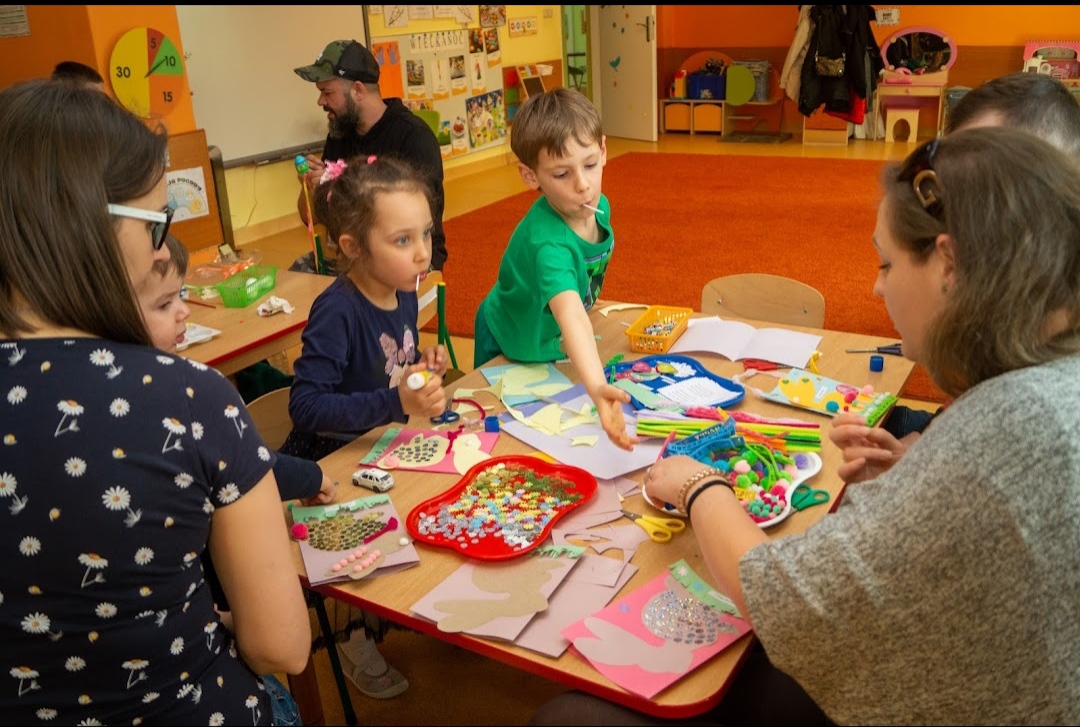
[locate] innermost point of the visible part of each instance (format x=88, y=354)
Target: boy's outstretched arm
x=580, y=345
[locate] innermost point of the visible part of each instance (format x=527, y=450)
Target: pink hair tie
x=371, y=159
x=333, y=171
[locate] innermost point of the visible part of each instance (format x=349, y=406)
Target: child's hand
x=325, y=495
x=609, y=400
x=435, y=358
x=429, y=400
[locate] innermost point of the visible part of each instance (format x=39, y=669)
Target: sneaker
x=382, y=686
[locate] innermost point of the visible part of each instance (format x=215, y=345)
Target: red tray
x=501, y=508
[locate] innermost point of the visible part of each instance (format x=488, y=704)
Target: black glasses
x=918, y=169
x=161, y=220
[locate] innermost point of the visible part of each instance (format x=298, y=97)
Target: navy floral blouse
x=112, y=459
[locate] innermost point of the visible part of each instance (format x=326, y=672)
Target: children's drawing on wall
x=458, y=82
x=420, y=104
x=440, y=81
x=491, y=46
x=414, y=71
x=388, y=56
x=487, y=118
x=492, y=16
x=396, y=16
x=477, y=76
x=446, y=146
x=458, y=140
x=476, y=40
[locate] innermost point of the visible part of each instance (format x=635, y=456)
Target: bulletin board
x=191, y=192
x=456, y=73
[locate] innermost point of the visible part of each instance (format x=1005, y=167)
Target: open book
x=736, y=341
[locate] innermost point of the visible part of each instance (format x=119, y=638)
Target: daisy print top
x=113, y=458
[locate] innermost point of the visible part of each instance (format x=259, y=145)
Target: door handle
x=648, y=28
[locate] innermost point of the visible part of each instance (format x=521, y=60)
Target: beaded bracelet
x=707, y=472
x=707, y=485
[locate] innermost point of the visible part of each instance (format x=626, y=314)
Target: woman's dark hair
x=66, y=152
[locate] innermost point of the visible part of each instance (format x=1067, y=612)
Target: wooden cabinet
x=692, y=115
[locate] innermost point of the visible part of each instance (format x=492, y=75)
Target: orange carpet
x=681, y=220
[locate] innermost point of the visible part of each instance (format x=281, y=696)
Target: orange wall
x=57, y=33
x=749, y=26
x=87, y=33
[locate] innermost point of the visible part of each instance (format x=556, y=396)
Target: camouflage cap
x=342, y=59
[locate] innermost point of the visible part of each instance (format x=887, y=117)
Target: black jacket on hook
x=840, y=29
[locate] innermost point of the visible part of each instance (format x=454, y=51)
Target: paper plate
x=804, y=474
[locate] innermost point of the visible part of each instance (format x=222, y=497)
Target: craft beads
x=682, y=620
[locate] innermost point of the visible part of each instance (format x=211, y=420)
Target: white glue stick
x=417, y=379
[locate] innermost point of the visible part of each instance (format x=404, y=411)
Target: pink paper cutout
x=590, y=586
x=617, y=643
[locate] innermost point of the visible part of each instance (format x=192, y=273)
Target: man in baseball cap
x=342, y=59
x=362, y=123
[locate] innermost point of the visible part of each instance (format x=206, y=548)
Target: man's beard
x=346, y=122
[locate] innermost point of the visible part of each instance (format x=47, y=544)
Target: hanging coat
x=840, y=30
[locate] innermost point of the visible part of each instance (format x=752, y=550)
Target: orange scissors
x=660, y=529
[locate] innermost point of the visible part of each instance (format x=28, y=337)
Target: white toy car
x=373, y=478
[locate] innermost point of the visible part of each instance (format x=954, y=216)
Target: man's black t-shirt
x=401, y=133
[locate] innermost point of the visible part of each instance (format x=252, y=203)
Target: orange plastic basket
x=657, y=328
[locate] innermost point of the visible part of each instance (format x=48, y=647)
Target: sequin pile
x=512, y=502
x=683, y=620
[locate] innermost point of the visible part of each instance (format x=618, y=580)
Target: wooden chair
x=270, y=414
x=763, y=297
x=427, y=296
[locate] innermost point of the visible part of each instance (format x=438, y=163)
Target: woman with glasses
x=120, y=464
x=944, y=591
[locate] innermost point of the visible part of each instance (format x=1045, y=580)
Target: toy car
x=373, y=478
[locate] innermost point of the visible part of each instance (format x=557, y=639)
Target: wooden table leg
x=304, y=688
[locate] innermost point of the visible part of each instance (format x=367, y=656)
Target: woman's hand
x=665, y=479
x=867, y=451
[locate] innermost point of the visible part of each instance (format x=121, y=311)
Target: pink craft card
x=430, y=450
x=336, y=532
x=653, y=636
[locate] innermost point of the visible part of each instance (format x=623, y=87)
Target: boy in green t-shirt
x=554, y=265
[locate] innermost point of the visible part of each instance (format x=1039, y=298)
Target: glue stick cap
x=877, y=363
x=417, y=379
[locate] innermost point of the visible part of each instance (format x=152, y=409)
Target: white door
x=624, y=62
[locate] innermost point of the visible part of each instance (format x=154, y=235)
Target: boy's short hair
x=549, y=120
x=178, y=258
x=77, y=72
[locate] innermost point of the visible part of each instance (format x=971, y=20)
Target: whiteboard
x=240, y=62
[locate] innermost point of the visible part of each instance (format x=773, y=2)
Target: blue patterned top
x=113, y=458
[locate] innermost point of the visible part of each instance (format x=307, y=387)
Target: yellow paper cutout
x=467, y=452
x=588, y=441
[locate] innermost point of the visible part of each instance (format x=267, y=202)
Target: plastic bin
x=701, y=86
x=247, y=286
x=657, y=328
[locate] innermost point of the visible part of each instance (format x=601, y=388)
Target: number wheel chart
x=147, y=72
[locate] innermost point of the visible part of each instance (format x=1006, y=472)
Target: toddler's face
x=163, y=310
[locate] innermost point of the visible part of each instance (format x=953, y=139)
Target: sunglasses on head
x=161, y=220
x=918, y=169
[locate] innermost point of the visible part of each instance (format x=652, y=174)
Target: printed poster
x=487, y=118
x=492, y=16
x=185, y=191
x=414, y=72
x=491, y=47
x=459, y=84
